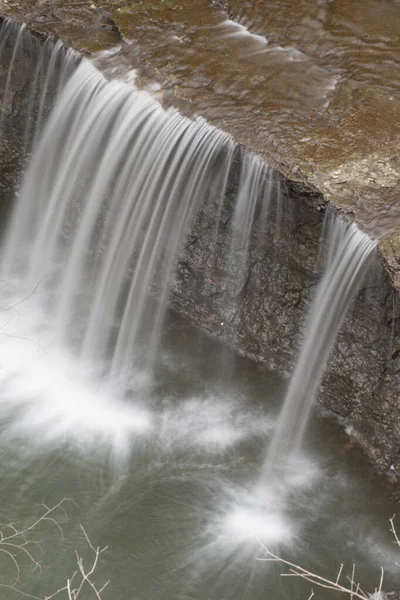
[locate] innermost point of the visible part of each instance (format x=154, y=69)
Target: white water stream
x=90, y=255
x=348, y=256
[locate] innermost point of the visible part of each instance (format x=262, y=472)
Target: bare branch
x=353, y=591
x=339, y=574
x=393, y=530
x=16, y=539
x=352, y=581
x=19, y=592
x=5, y=308
x=379, y=591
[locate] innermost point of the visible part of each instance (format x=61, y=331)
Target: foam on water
x=48, y=399
x=239, y=30
x=271, y=513
x=250, y=525
x=112, y=217
x=213, y=422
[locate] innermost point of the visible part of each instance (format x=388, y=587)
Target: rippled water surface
x=360, y=39
x=173, y=488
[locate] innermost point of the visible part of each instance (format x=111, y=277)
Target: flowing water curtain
x=104, y=210
x=252, y=202
x=234, y=233
x=54, y=67
x=348, y=253
x=254, y=214
x=38, y=68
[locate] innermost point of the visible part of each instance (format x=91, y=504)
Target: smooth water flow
x=103, y=213
x=50, y=65
x=348, y=255
x=91, y=251
x=105, y=207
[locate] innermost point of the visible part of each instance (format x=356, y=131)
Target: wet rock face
x=31, y=69
x=254, y=303
x=259, y=311
x=15, y=106
x=262, y=313
x=363, y=376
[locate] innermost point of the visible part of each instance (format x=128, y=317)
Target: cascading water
x=87, y=266
x=50, y=64
x=139, y=175
x=103, y=213
x=349, y=253
x=92, y=248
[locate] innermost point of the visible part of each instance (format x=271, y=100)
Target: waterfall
x=49, y=64
x=113, y=186
x=90, y=254
x=348, y=255
x=104, y=208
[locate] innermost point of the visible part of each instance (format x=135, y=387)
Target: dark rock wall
x=259, y=310
x=262, y=311
x=14, y=94
x=362, y=381
x=258, y=307
x=31, y=67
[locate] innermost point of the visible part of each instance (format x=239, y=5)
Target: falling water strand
x=103, y=213
x=17, y=48
x=255, y=175
x=56, y=64
x=349, y=254
x=51, y=64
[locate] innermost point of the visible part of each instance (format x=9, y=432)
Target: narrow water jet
x=50, y=64
x=348, y=255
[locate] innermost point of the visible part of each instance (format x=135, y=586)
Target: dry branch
x=351, y=589
x=14, y=540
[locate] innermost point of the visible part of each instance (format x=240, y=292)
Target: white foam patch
x=251, y=524
x=261, y=514
x=47, y=398
x=220, y=436
x=240, y=31
x=213, y=423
